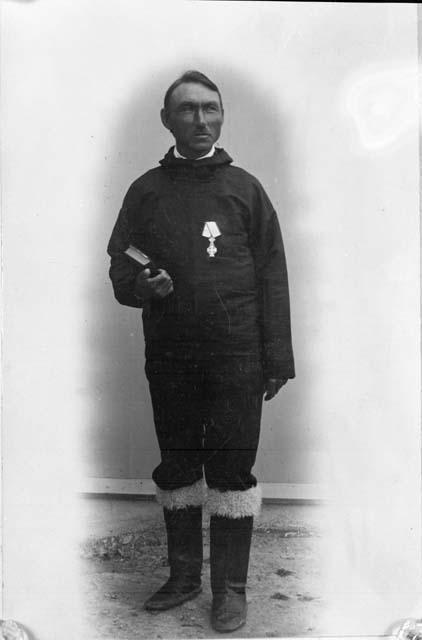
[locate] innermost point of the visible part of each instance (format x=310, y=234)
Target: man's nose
x=200, y=116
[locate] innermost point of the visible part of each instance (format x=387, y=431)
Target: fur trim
x=234, y=504
x=191, y=496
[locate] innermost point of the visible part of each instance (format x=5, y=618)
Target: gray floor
x=124, y=561
x=107, y=516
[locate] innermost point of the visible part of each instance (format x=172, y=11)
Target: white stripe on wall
x=146, y=488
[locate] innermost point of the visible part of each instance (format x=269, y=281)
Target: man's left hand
x=272, y=387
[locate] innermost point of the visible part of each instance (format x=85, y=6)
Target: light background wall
x=321, y=105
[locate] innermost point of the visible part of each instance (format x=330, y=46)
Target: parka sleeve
x=122, y=271
x=273, y=287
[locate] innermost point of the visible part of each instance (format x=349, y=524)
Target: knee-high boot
x=184, y=543
x=230, y=540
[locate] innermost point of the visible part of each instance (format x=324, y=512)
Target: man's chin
x=198, y=148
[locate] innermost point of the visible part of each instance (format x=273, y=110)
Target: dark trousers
x=207, y=416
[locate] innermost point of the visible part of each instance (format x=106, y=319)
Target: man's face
x=194, y=117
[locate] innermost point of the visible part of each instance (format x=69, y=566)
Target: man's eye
x=211, y=107
x=186, y=108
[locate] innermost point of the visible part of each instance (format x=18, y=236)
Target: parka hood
x=219, y=158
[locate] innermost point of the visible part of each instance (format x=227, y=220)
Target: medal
x=211, y=231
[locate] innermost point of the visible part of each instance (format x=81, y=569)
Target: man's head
x=193, y=112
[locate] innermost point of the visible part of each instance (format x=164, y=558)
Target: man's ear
x=164, y=119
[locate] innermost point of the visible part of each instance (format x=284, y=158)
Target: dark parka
x=233, y=304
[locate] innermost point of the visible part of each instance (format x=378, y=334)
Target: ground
x=122, y=570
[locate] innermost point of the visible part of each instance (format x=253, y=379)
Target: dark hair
x=191, y=76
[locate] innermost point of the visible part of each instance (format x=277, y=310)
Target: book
x=141, y=259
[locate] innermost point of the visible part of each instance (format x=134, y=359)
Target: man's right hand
x=158, y=287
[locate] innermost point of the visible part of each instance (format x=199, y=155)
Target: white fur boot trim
x=234, y=504
x=191, y=496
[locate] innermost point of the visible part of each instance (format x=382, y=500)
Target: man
x=217, y=331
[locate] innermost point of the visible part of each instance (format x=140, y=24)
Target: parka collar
x=219, y=158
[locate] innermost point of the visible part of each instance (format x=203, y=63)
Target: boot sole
x=150, y=606
x=227, y=629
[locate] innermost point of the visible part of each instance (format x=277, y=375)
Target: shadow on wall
x=121, y=439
